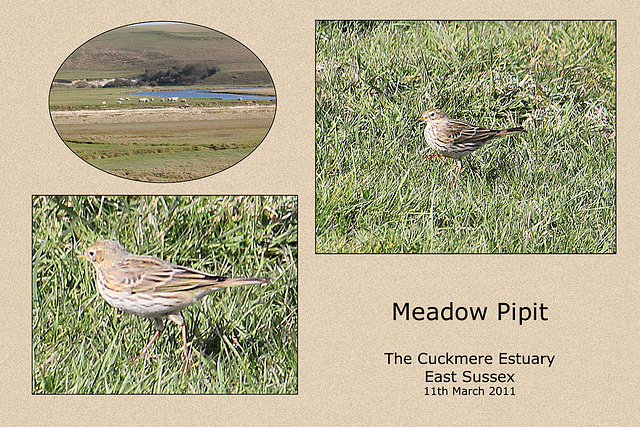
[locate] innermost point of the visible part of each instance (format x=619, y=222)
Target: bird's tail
x=510, y=131
x=228, y=282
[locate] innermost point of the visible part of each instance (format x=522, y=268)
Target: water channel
x=203, y=93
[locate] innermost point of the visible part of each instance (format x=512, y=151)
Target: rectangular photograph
x=465, y=137
x=164, y=294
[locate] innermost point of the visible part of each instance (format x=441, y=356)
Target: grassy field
x=68, y=98
x=254, y=91
x=244, y=339
x=550, y=190
x=165, y=151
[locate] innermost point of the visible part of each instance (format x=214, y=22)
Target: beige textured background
x=345, y=301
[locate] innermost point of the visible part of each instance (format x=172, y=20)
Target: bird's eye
x=432, y=114
x=91, y=253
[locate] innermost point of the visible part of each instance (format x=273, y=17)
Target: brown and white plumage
x=150, y=287
x=453, y=138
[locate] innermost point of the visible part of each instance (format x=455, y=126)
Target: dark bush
x=120, y=83
x=189, y=74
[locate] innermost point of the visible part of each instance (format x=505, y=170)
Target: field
x=164, y=144
x=159, y=141
x=549, y=190
x=185, y=149
x=244, y=340
x=253, y=91
x=67, y=98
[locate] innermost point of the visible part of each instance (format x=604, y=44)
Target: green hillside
x=129, y=51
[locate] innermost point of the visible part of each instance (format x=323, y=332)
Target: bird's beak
x=421, y=119
x=82, y=256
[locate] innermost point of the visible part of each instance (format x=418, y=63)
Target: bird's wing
x=185, y=279
x=150, y=274
x=458, y=131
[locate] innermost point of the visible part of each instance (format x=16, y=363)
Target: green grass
x=244, y=339
x=550, y=190
x=171, y=167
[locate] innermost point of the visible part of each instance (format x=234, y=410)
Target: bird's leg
x=457, y=168
x=179, y=320
x=185, y=349
x=433, y=156
x=159, y=324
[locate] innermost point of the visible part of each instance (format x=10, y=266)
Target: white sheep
x=104, y=103
x=118, y=102
x=127, y=99
x=183, y=100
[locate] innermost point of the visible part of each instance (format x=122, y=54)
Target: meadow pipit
x=150, y=287
x=456, y=139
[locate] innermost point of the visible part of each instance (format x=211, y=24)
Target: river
x=202, y=93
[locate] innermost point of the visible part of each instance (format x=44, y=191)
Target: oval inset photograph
x=162, y=101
